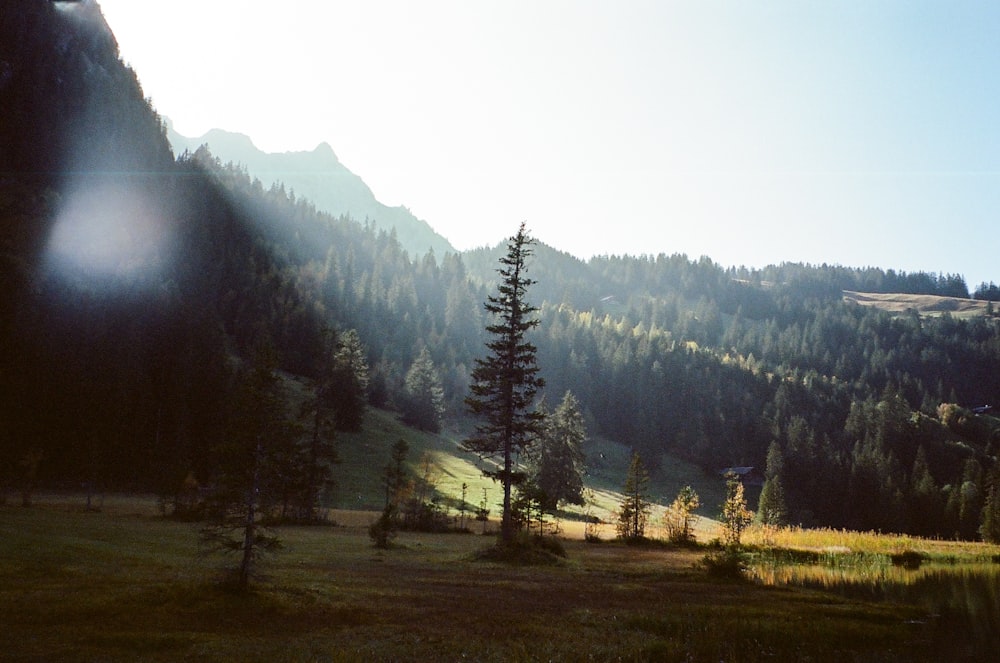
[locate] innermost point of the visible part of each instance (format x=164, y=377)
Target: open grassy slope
x=125, y=585
x=923, y=304
x=365, y=454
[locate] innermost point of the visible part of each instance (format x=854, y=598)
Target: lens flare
x=108, y=229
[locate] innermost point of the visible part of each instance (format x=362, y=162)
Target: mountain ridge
x=320, y=177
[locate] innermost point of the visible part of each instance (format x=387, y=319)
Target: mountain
x=321, y=178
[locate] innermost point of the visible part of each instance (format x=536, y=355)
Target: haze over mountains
x=317, y=176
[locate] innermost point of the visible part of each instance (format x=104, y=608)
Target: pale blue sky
x=858, y=133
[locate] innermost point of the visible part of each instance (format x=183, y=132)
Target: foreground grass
x=124, y=585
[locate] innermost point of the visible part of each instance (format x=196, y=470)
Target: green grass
x=124, y=585
x=364, y=455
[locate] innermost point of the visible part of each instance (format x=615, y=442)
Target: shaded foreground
x=123, y=584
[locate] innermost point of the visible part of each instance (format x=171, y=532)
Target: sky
x=859, y=133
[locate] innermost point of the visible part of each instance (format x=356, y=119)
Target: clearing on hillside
x=923, y=304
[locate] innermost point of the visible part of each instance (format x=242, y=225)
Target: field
x=124, y=584
x=362, y=454
x=924, y=304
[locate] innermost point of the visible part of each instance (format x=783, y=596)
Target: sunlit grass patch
x=834, y=542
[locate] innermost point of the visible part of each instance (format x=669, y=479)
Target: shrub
x=421, y=516
x=526, y=550
x=729, y=563
x=679, y=517
x=908, y=559
x=383, y=530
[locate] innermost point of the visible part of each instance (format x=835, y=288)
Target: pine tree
x=504, y=384
x=252, y=463
x=395, y=474
x=423, y=399
x=635, y=505
x=925, y=504
x=396, y=481
x=771, y=506
x=557, y=462
x=970, y=499
x=771, y=509
x=349, y=394
x=990, y=521
x=320, y=452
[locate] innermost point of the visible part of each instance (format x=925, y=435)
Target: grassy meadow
x=898, y=303
x=124, y=584
x=365, y=453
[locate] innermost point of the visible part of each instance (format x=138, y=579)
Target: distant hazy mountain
x=319, y=177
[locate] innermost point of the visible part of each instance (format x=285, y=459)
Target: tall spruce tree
x=251, y=465
x=319, y=420
x=557, y=460
x=350, y=377
x=771, y=506
x=504, y=384
x=990, y=519
x=423, y=397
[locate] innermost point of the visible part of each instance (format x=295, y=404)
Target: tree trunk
x=248, y=542
x=506, y=525
x=250, y=524
x=312, y=489
x=635, y=517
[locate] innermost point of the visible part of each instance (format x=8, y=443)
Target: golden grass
x=846, y=541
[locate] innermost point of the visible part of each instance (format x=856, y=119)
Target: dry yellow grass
x=847, y=541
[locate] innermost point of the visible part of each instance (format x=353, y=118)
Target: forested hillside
x=139, y=291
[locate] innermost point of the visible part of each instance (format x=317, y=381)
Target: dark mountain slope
x=135, y=288
x=68, y=103
x=116, y=268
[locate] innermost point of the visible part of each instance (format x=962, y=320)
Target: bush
x=383, y=530
x=526, y=550
x=424, y=517
x=549, y=544
x=679, y=517
x=730, y=564
x=645, y=542
x=908, y=559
